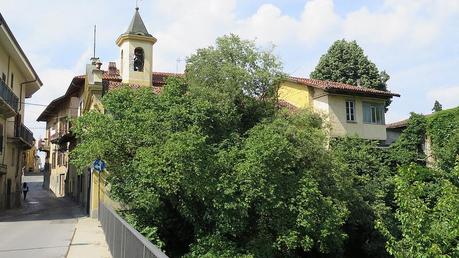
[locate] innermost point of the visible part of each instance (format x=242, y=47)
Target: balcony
x=43, y=145
x=8, y=101
x=24, y=135
x=63, y=135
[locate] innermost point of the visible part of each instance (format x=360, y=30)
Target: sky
x=415, y=41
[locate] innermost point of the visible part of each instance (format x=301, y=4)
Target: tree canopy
x=211, y=168
x=437, y=106
x=346, y=62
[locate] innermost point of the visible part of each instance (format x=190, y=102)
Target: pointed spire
x=137, y=27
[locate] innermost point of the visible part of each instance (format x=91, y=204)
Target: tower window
x=138, y=59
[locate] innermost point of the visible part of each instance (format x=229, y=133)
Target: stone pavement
x=88, y=240
x=45, y=225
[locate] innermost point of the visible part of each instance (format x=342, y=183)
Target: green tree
x=368, y=184
x=210, y=168
x=346, y=62
x=427, y=207
x=409, y=146
x=437, y=106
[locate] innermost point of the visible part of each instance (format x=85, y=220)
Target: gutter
x=20, y=93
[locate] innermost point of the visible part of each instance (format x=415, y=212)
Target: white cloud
x=318, y=21
x=268, y=25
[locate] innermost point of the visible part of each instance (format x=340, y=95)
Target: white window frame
x=375, y=108
x=350, y=111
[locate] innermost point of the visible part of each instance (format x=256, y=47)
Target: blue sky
x=414, y=41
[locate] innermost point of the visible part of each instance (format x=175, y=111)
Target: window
x=4, y=77
x=1, y=138
x=13, y=156
x=138, y=59
x=122, y=60
x=373, y=113
x=12, y=81
x=350, y=110
x=54, y=161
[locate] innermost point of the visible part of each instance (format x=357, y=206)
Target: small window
x=13, y=156
x=4, y=77
x=138, y=59
x=350, y=110
x=12, y=81
x=1, y=138
x=373, y=113
x=122, y=61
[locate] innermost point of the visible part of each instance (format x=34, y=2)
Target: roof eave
x=19, y=49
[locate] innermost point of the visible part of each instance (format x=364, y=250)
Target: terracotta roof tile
x=341, y=87
x=399, y=124
x=287, y=105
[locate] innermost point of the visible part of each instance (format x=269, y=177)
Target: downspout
x=19, y=123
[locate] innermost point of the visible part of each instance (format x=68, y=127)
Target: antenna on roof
x=178, y=61
x=94, y=49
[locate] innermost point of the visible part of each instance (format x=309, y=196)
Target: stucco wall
x=341, y=127
x=295, y=94
x=128, y=74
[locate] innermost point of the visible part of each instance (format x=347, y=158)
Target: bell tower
x=136, y=52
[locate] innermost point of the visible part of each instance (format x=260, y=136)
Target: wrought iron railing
x=8, y=96
x=24, y=134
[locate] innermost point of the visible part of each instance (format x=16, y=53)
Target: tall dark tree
x=346, y=62
x=437, y=106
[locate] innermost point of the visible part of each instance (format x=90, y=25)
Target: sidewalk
x=88, y=240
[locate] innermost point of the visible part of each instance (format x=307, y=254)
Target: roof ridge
x=333, y=85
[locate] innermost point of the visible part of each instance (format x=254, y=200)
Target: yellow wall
x=295, y=94
x=333, y=108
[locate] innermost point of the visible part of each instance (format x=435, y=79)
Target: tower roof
x=137, y=27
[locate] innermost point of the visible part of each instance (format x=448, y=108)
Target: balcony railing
x=8, y=96
x=24, y=134
x=43, y=145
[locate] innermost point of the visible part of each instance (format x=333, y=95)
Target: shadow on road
x=42, y=204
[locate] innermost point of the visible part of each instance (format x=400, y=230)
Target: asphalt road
x=43, y=227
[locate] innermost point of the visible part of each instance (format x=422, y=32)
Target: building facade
x=349, y=110
x=18, y=80
x=84, y=94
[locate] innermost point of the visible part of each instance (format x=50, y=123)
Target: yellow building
x=349, y=110
x=84, y=94
x=18, y=80
x=32, y=160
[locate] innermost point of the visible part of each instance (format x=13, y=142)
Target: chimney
x=93, y=72
x=112, y=68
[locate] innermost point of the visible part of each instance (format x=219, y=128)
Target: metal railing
x=24, y=134
x=123, y=240
x=8, y=96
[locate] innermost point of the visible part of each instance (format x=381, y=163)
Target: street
x=43, y=227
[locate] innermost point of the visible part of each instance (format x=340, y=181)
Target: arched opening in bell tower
x=139, y=59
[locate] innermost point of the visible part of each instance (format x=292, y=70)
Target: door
x=61, y=184
x=8, y=193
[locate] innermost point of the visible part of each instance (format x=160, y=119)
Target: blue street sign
x=99, y=165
